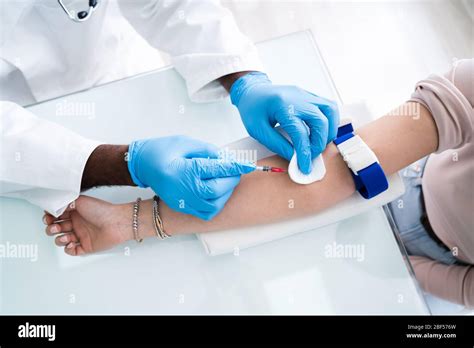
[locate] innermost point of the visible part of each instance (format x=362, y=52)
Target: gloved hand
x=185, y=173
x=310, y=121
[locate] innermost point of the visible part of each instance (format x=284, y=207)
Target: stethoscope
x=82, y=15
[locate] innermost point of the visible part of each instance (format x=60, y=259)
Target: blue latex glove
x=310, y=121
x=185, y=173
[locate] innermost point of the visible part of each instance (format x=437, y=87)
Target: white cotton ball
x=318, y=170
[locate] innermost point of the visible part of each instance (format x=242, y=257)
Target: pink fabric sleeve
x=453, y=283
x=450, y=100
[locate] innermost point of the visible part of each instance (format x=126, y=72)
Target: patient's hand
x=90, y=225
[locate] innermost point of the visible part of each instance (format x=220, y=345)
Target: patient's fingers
x=59, y=226
x=65, y=239
x=74, y=249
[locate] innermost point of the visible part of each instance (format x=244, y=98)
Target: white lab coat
x=43, y=54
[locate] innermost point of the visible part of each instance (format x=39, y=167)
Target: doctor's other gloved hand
x=185, y=173
x=310, y=121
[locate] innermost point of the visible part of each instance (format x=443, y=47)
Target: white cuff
x=204, y=86
x=55, y=201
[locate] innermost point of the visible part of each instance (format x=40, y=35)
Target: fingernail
x=44, y=220
x=54, y=229
x=70, y=245
x=63, y=239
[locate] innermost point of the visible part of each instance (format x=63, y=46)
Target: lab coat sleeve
x=202, y=38
x=41, y=161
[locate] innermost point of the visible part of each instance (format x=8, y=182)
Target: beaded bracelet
x=136, y=209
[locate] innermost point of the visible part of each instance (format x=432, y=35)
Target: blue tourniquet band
x=369, y=181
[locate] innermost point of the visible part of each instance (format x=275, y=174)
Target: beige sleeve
x=450, y=99
x=454, y=283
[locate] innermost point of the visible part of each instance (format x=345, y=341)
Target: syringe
x=270, y=169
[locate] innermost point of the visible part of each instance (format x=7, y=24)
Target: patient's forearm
x=264, y=197
x=267, y=197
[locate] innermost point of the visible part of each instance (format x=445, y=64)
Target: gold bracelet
x=157, y=222
x=136, y=209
